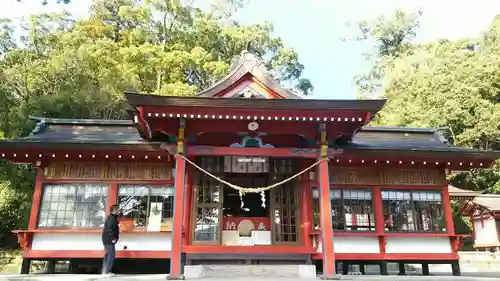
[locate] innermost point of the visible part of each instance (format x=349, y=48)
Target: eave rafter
x=194, y=128
x=137, y=153
x=28, y=153
x=349, y=158
x=257, y=114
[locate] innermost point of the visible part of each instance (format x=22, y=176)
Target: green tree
x=67, y=68
x=391, y=38
x=444, y=84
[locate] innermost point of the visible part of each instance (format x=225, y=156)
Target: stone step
x=253, y=271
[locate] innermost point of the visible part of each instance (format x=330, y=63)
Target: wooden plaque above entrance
x=112, y=171
x=370, y=176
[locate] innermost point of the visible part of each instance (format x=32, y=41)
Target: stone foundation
x=235, y=271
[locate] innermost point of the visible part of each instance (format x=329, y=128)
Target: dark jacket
x=111, y=230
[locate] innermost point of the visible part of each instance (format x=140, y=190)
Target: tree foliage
x=453, y=85
x=56, y=66
x=391, y=37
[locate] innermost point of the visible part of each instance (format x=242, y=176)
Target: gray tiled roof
x=399, y=138
x=123, y=132
x=490, y=202
x=458, y=192
x=83, y=131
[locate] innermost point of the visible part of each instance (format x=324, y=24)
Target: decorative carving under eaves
x=114, y=171
x=248, y=141
x=370, y=176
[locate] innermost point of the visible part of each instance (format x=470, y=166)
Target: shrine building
x=244, y=172
x=484, y=213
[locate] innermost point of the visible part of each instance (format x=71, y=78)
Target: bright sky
x=313, y=29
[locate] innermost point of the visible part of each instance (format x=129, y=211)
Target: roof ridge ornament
x=250, y=60
x=40, y=127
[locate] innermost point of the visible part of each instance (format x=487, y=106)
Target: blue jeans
x=109, y=258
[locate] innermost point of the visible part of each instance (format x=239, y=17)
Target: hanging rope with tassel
x=252, y=190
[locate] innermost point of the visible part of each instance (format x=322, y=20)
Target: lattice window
x=212, y=164
x=246, y=165
x=413, y=211
x=122, y=171
x=286, y=208
x=146, y=206
x=73, y=205
x=208, y=208
x=282, y=166
x=352, y=209
x=285, y=202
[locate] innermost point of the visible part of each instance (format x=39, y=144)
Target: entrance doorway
x=252, y=205
x=224, y=216
x=246, y=219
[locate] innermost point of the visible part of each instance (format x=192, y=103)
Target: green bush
x=13, y=204
x=8, y=257
x=462, y=224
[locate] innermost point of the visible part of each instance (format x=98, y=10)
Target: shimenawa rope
x=252, y=190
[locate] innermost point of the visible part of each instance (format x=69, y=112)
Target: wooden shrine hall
x=244, y=172
x=483, y=210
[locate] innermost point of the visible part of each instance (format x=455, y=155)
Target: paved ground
x=65, y=277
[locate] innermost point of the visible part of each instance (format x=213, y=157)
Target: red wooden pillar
x=112, y=196
x=37, y=198
x=305, y=206
x=378, y=210
x=188, y=196
x=448, y=214
x=179, y=186
x=325, y=209
x=379, y=218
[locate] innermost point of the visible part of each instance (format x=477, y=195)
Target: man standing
x=110, y=235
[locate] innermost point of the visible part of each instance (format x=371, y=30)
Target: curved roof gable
x=242, y=66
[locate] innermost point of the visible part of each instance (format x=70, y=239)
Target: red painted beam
x=402, y=159
x=198, y=150
x=250, y=115
x=391, y=257
x=152, y=154
x=149, y=152
x=80, y=230
x=194, y=127
x=217, y=249
x=41, y=254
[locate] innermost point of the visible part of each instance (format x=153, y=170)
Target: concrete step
x=253, y=271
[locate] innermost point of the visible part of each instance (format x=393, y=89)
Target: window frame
x=342, y=188
x=111, y=200
x=371, y=227
x=203, y=182
x=151, y=185
x=412, y=190
x=43, y=184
